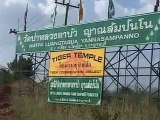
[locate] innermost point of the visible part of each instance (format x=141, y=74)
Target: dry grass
x=35, y=107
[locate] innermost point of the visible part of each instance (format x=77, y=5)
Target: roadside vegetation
x=29, y=105
x=5, y=76
x=132, y=106
x=16, y=70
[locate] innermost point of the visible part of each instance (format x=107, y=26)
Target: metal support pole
x=137, y=81
x=159, y=81
x=118, y=76
x=150, y=82
x=125, y=84
x=35, y=60
x=67, y=8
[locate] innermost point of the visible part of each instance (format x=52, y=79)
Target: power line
x=42, y=10
x=36, y=17
x=58, y=16
x=68, y=5
x=37, y=20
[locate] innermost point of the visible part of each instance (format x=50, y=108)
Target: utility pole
x=67, y=8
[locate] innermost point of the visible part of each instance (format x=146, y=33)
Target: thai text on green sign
x=132, y=30
x=75, y=90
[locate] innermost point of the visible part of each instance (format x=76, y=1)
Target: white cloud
x=75, y=2
x=149, y=7
x=142, y=2
x=11, y=2
x=101, y=8
x=39, y=16
x=12, y=10
x=49, y=7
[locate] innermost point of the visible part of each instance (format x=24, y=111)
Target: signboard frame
x=103, y=62
x=140, y=15
x=100, y=91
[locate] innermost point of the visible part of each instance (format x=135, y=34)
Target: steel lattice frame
x=136, y=67
x=39, y=66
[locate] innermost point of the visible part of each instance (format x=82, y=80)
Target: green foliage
x=5, y=76
x=21, y=68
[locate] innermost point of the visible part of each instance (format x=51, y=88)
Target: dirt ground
x=6, y=111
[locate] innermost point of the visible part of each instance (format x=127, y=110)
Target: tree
x=5, y=75
x=21, y=67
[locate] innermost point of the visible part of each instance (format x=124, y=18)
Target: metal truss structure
x=135, y=67
x=40, y=68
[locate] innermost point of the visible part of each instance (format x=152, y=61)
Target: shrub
x=5, y=76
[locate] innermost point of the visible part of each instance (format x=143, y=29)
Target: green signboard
x=75, y=90
x=140, y=29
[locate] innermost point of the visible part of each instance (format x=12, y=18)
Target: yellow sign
x=77, y=63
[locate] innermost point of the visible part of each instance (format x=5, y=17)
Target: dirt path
x=6, y=111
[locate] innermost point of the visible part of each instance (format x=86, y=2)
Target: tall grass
x=35, y=107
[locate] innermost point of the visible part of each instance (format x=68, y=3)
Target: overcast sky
x=40, y=11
